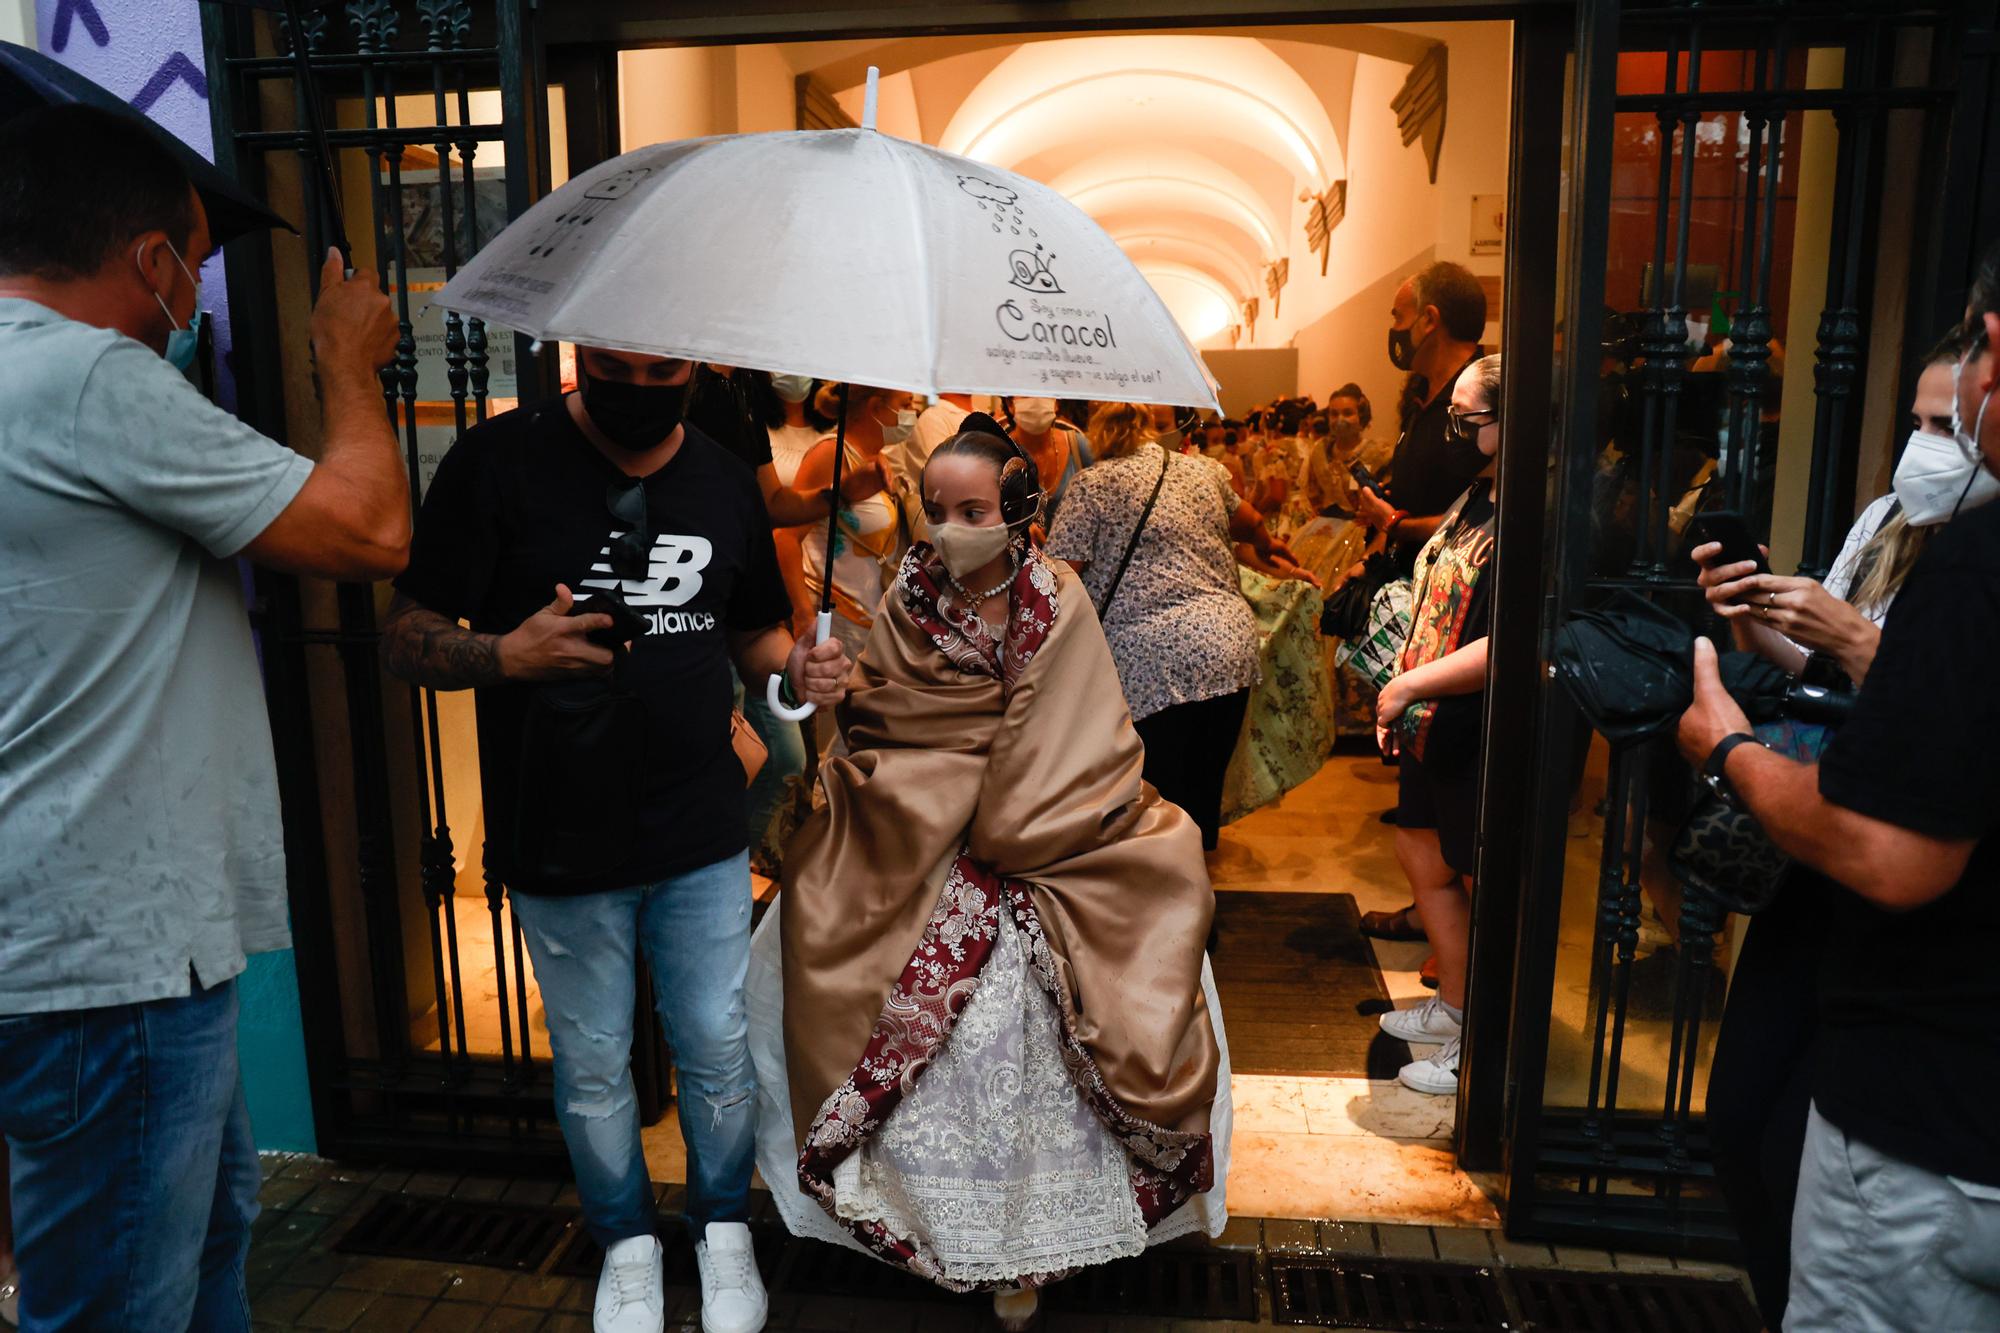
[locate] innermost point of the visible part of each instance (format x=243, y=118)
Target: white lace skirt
x=993, y=1164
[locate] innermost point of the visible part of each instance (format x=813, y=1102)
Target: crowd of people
x=1067, y=645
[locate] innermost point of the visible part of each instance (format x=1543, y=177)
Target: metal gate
x=418, y=1027
x=415, y=994
x=1782, y=171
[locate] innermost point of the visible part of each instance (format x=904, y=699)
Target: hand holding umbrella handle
x=823, y=631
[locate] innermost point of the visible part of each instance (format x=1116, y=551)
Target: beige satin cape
x=1038, y=781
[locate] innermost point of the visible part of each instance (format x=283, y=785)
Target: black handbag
x=1723, y=854
x=1345, y=615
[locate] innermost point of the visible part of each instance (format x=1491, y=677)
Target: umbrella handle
x=824, y=626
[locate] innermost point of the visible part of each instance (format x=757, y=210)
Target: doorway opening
x=1276, y=185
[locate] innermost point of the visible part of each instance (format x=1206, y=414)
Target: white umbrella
x=848, y=255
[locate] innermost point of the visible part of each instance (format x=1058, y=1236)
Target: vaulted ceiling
x=1192, y=150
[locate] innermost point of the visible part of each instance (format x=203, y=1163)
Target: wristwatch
x=1712, y=767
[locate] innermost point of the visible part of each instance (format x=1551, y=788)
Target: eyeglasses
x=631, y=551
x=1468, y=424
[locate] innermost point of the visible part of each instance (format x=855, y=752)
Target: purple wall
x=149, y=53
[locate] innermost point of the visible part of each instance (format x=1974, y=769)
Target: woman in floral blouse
x=1183, y=637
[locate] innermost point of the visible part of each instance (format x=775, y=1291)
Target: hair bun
x=979, y=423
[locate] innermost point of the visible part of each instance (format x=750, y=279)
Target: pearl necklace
x=974, y=603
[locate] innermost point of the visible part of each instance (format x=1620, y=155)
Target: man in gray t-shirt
x=141, y=855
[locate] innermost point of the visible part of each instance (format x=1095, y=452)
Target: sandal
x=1401, y=924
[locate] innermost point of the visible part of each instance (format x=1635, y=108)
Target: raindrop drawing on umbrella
x=1003, y=201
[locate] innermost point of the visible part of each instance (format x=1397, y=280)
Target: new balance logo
x=673, y=579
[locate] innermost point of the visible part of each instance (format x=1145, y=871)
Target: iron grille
x=1169, y=1282
x=1386, y=1294
x=1692, y=131
x=453, y=1231
x=1559, y=1302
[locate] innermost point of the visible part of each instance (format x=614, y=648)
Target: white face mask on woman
x=965, y=548
x=1035, y=415
x=792, y=388
x=1940, y=476
x=906, y=422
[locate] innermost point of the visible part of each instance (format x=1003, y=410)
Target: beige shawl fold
x=1036, y=778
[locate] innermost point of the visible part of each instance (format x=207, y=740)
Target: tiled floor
x=1370, y=1151
x=297, y=1281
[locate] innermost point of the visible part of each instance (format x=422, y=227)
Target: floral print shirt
x=1179, y=628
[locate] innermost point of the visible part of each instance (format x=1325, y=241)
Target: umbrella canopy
x=29, y=79
x=848, y=255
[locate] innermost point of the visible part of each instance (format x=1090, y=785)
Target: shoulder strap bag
x=1125, y=561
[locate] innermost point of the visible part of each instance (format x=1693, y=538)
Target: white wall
x=687, y=92
x=1396, y=219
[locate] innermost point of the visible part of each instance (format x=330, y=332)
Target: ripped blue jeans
x=695, y=928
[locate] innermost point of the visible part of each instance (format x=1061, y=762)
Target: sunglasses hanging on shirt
x=631, y=550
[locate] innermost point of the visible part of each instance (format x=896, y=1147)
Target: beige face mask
x=965, y=548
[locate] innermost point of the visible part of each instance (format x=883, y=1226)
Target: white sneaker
x=630, y=1294
x=1435, y=1074
x=1427, y=1025
x=732, y=1292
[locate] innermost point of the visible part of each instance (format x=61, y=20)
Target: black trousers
x=1187, y=755
x=1760, y=1083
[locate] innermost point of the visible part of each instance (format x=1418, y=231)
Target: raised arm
x=351, y=520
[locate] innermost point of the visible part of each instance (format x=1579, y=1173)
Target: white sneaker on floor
x=732, y=1291
x=630, y=1291
x=1427, y=1024
x=1435, y=1074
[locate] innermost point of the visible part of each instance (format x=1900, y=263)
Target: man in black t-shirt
x=1436, y=322
x=1898, y=1213
x=1438, y=318
x=614, y=798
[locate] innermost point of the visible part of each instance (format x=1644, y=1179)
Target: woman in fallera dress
x=986, y=1036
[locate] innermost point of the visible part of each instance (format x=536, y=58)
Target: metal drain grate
x=1169, y=1282
x=809, y=1268
x=452, y=1231
x=1385, y=1294
x=1562, y=1302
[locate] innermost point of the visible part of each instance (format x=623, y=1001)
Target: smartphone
x=1366, y=480
x=1727, y=527
x=626, y=624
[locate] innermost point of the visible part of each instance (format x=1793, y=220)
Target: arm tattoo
x=425, y=648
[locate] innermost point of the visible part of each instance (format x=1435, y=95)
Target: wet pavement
x=299, y=1281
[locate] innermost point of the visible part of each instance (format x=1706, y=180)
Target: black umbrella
x=29, y=79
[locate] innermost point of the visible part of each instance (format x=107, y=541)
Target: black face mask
x=632, y=416
x=1403, y=347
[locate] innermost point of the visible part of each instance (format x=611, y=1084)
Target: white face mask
x=965, y=548
x=906, y=422
x=1035, y=415
x=1935, y=480
x=792, y=388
